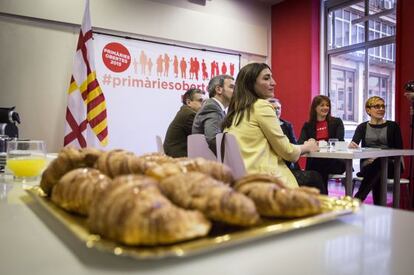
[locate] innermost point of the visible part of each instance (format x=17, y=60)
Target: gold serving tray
x=220, y=236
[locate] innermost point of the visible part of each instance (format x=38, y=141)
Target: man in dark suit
x=286, y=128
x=209, y=118
x=304, y=178
x=175, y=144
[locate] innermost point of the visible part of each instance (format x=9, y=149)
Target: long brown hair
x=244, y=95
x=315, y=102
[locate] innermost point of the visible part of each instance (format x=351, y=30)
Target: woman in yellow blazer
x=251, y=119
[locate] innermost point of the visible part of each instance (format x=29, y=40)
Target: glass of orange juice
x=26, y=159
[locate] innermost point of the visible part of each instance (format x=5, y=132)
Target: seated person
x=323, y=126
x=175, y=144
x=309, y=177
x=376, y=133
x=252, y=120
x=286, y=127
x=209, y=118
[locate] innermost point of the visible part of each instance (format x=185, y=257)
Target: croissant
x=165, y=170
x=216, y=200
x=132, y=210
x=68, y=159
x=75, y=190
x=273, y=199
x=119, y=162
x=215, y=169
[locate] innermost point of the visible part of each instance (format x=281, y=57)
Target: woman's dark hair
x=315, y=102
x=244, y=95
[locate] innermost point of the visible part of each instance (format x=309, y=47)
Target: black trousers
x=311, y=179
x=372, y=180
x=325, y=167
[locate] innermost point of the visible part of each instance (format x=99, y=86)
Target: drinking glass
x=331, y=144
x=26, y=159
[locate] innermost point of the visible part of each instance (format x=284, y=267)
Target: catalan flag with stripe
x=86, y=117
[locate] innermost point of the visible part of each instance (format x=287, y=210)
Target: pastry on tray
x=183, y=165
x=68, y=159
x=273, y=199
x=119, y=162
x=133, y=211
x=216, y=200
x=76, y=189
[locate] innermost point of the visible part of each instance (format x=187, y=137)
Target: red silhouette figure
x=231, y=69
x=216, y=68
x=196, y=68
x=166, y=64
x=143, y=61
x=159, y=65
x=149, y=63
x=191, y=68
x=183, y=67
x=175, y=64
x=213, y=70
x=223, y=68
x=204, y=70
x=135, y=63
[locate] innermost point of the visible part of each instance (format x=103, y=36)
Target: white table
x=376, y=240
x=364, y=153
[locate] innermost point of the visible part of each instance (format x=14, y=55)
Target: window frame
x=388, y=43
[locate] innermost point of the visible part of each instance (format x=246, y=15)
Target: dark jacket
x=335, y=130
x=208, y=122
x=394, y=137
x=175, y=144
x=288, y=131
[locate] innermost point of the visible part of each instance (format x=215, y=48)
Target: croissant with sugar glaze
x=68, y=159
x=119, y=162
x=76, y=189
x=133, y=211
x=273, y=199
x=216, y=200
x=214, y=169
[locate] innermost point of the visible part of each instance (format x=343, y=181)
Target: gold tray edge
x=196, y=246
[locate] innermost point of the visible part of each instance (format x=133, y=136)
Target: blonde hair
x=370, y=101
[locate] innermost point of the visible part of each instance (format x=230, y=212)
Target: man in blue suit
x=209, y=118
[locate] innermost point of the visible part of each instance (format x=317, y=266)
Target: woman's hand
x=310, y=146
x=353, y=145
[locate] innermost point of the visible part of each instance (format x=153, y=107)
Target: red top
x=322, y=130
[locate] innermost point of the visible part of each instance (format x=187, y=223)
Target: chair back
x=197, y=146
x=228, y=152
x=160, y=147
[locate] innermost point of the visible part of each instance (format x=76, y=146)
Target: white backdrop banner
x=143, y=83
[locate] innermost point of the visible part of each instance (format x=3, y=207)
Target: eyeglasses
x=379, y=106
x=199, y=100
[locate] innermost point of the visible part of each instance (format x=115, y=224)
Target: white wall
x=38, y=40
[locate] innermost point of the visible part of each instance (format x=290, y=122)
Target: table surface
x=375, y=240
x=361, y=153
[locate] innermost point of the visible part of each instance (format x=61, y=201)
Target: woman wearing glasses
x=375, y=133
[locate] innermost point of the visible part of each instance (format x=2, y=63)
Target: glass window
x=346, y=72
x=342, y=28
x=360, y=65
x=381, y=73
x=376, y=6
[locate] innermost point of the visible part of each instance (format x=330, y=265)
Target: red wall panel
x=295, y=57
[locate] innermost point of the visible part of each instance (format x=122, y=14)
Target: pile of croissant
x=154, y=199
